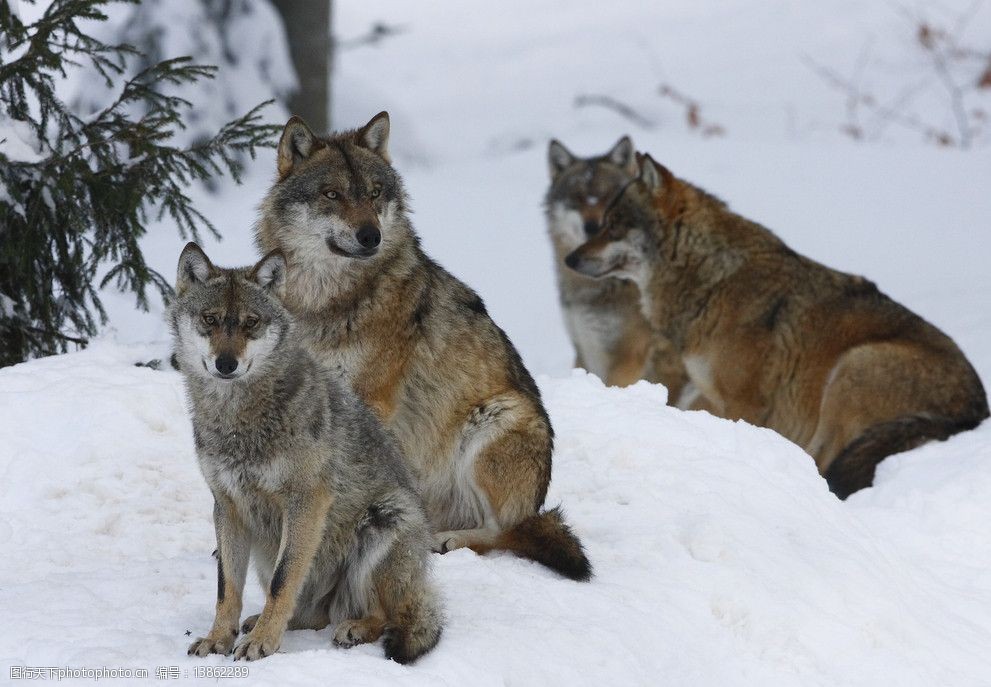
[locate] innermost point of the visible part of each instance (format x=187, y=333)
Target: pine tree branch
x=85, y=205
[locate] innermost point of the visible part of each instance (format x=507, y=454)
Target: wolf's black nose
x=591, y=227
x=571, y=260
x=226, y=364
x=369, y=236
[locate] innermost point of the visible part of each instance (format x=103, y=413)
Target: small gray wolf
x=769, y=336
x=612, y=339
x=416, y=344
x=303, y=477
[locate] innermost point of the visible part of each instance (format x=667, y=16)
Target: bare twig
x=693, y=112
x=946, y=53
x=944, y=46
x=854, y=128
x=956, y=98
x=378, y=32
x=897, y=104
x=870, y=102
x=620, y=108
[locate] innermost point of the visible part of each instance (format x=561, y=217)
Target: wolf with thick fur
x=416, y=344
x=305, y=479
x=774, y=338
x=612, y=338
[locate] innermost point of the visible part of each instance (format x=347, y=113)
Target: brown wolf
x=305, y=479
x=776, y=339
x=416, y=344
x=611, y=336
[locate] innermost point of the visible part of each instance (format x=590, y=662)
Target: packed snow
x=720, y=556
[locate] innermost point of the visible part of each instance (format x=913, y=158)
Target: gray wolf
x=612, y=338
x=416, y=344
x=774, y=338
x=305, y=480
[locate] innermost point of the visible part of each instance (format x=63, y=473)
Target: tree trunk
x=308, y=30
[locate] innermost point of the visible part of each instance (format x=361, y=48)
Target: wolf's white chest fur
x=239, y=479
x=594, y=332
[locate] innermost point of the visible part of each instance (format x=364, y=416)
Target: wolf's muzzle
x=362, y=253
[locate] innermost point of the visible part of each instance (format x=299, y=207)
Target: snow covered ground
x=720, y=556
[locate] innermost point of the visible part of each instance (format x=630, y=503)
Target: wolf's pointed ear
x=270, y=272
x=652, y=174
x=375, y=135
x=558, y=157
x=296, y=144
x=194, y=268
x=624, y=156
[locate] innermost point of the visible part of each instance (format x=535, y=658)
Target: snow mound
x=720, y=556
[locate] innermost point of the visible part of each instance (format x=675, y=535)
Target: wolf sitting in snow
x=416, y=344
x=776, y=339
x=611, y=336
x=303, y=477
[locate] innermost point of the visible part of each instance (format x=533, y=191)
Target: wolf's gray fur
x=416, y=344
x=303, y=476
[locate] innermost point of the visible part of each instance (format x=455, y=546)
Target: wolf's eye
x=251, y=322
x=376, y=192
x=331, y=194
x=209, y=320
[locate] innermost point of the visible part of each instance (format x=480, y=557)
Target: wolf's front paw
x=212, y=645
x=258, y=644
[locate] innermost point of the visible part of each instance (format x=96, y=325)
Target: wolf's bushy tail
x=415, y=628
x=546, y=539
x=854, y=468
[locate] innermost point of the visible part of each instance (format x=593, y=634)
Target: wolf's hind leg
x=385, y=590
x=408, y=600
x=459, y=539
x=504, y=472
x=354, y=631
x=866, y=388
x=512, y=472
